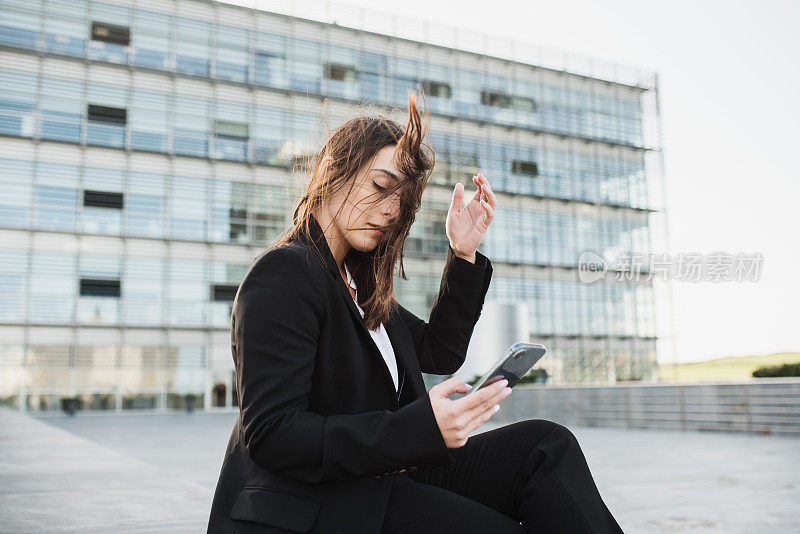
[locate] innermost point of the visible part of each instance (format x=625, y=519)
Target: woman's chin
x=370, y=241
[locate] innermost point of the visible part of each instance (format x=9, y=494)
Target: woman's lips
x=375, y=229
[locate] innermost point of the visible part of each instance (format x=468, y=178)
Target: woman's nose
x=392, y=208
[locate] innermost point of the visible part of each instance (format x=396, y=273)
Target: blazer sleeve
x=442, y=342
x=275, y=329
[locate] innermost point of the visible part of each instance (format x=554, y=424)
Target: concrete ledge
x=54, y=481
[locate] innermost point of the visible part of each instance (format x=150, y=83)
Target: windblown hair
x=352, y=146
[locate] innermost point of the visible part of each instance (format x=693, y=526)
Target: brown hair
x=351, y=146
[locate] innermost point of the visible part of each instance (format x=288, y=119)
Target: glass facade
x=147, y=154
x=172, y=42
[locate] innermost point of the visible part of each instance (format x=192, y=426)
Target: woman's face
x=364, y=207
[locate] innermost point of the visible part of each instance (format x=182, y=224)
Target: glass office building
x=148, y=152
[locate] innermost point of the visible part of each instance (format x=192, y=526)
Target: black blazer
x=320, y=425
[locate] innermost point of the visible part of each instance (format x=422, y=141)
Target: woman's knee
x=544, y=427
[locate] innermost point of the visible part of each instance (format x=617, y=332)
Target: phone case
x=512, y=365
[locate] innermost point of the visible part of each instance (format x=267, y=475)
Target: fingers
x=483, y=398
x=463, y=422
x=485, y=410
x=487, y=190
x=498, y=395
x=485, y=196
x=476, y=422
x=479, y=192
x=489, y=212
x=458, y=197
x=451, y=385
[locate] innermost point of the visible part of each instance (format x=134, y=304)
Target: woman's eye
x=378, y=186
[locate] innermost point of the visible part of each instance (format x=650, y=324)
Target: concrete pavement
x=157, y=473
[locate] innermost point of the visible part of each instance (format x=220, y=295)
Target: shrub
x=787, y=369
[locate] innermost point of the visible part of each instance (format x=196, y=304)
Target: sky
x=729, y=81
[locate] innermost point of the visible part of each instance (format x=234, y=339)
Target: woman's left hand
x=466, y=227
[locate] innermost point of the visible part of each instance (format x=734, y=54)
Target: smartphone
x=512, y=365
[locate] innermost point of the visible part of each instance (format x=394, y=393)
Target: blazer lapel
x=406, y=354
x=322, y=248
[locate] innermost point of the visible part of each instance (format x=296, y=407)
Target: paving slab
x=53, y=480
x=157, y=473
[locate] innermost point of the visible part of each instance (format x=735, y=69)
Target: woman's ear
x=324, y=164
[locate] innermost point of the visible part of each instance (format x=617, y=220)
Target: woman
x=336, y=433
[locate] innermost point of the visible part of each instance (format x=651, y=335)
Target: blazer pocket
x=276, y=508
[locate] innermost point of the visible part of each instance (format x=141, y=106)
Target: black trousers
x=529, y=476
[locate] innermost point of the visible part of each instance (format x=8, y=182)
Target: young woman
x=336, y=432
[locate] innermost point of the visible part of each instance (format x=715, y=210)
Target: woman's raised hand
x=466, y=227
x=457, y=418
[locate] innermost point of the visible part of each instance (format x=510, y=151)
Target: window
x=341, y=73
x=223, y=292
x=103, y=199
x=151, y=40
x=110, y=33
x=192, y=46
x=20, y=26
x=190, y=117
x=107, y=114
x=305, y=76
x=93, y=287
x=503, y=100
x=269, y=69
x=492, y=98
x=18, y=103
x=524, y=167
x=231, y=130
x=230, y=139
x=437, y=89
x=524, y=103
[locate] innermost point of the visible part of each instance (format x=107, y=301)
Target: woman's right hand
x=457, y=418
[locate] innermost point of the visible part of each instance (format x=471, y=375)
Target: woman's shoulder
x=289, y=262
x=280, y=277
x=286, y=252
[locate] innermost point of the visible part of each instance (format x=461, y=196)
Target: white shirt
x=380, y=337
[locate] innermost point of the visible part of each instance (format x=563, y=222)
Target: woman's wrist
x=470, y=259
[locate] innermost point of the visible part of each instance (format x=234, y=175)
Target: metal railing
x=756, y=406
